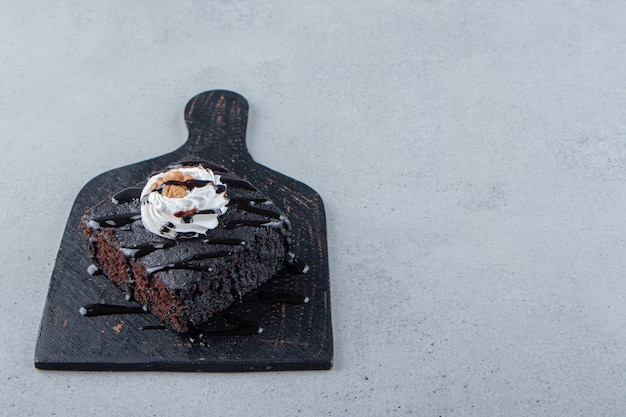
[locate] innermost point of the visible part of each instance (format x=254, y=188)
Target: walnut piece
x=173, y=190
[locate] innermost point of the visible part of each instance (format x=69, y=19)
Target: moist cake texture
x=189, y=242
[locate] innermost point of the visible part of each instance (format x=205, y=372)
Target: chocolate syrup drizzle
x=260, y=297
x=92, y=310
x=189, y=184
x=242, y=326
x=127, y=195
x=188, y=263
x=252, y=205
x=115, y=220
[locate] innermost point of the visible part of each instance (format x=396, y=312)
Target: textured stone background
x=471, y=155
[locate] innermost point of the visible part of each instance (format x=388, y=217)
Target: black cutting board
x=294, y=337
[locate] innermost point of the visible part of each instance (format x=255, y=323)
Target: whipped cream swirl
x=183, y=202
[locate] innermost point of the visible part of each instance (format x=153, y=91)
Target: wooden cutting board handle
x=217, y=122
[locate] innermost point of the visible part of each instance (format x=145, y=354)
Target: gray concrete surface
x=471, y=155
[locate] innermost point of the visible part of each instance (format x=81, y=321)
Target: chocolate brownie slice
x=188, y=243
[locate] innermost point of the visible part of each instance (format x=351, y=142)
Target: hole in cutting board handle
x=217, y=118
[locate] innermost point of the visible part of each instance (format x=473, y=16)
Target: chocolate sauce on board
x=243, y=327
x=262, y=297
x=276, y=219
x=92, y=310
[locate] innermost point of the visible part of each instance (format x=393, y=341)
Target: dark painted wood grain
x=295, y=337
